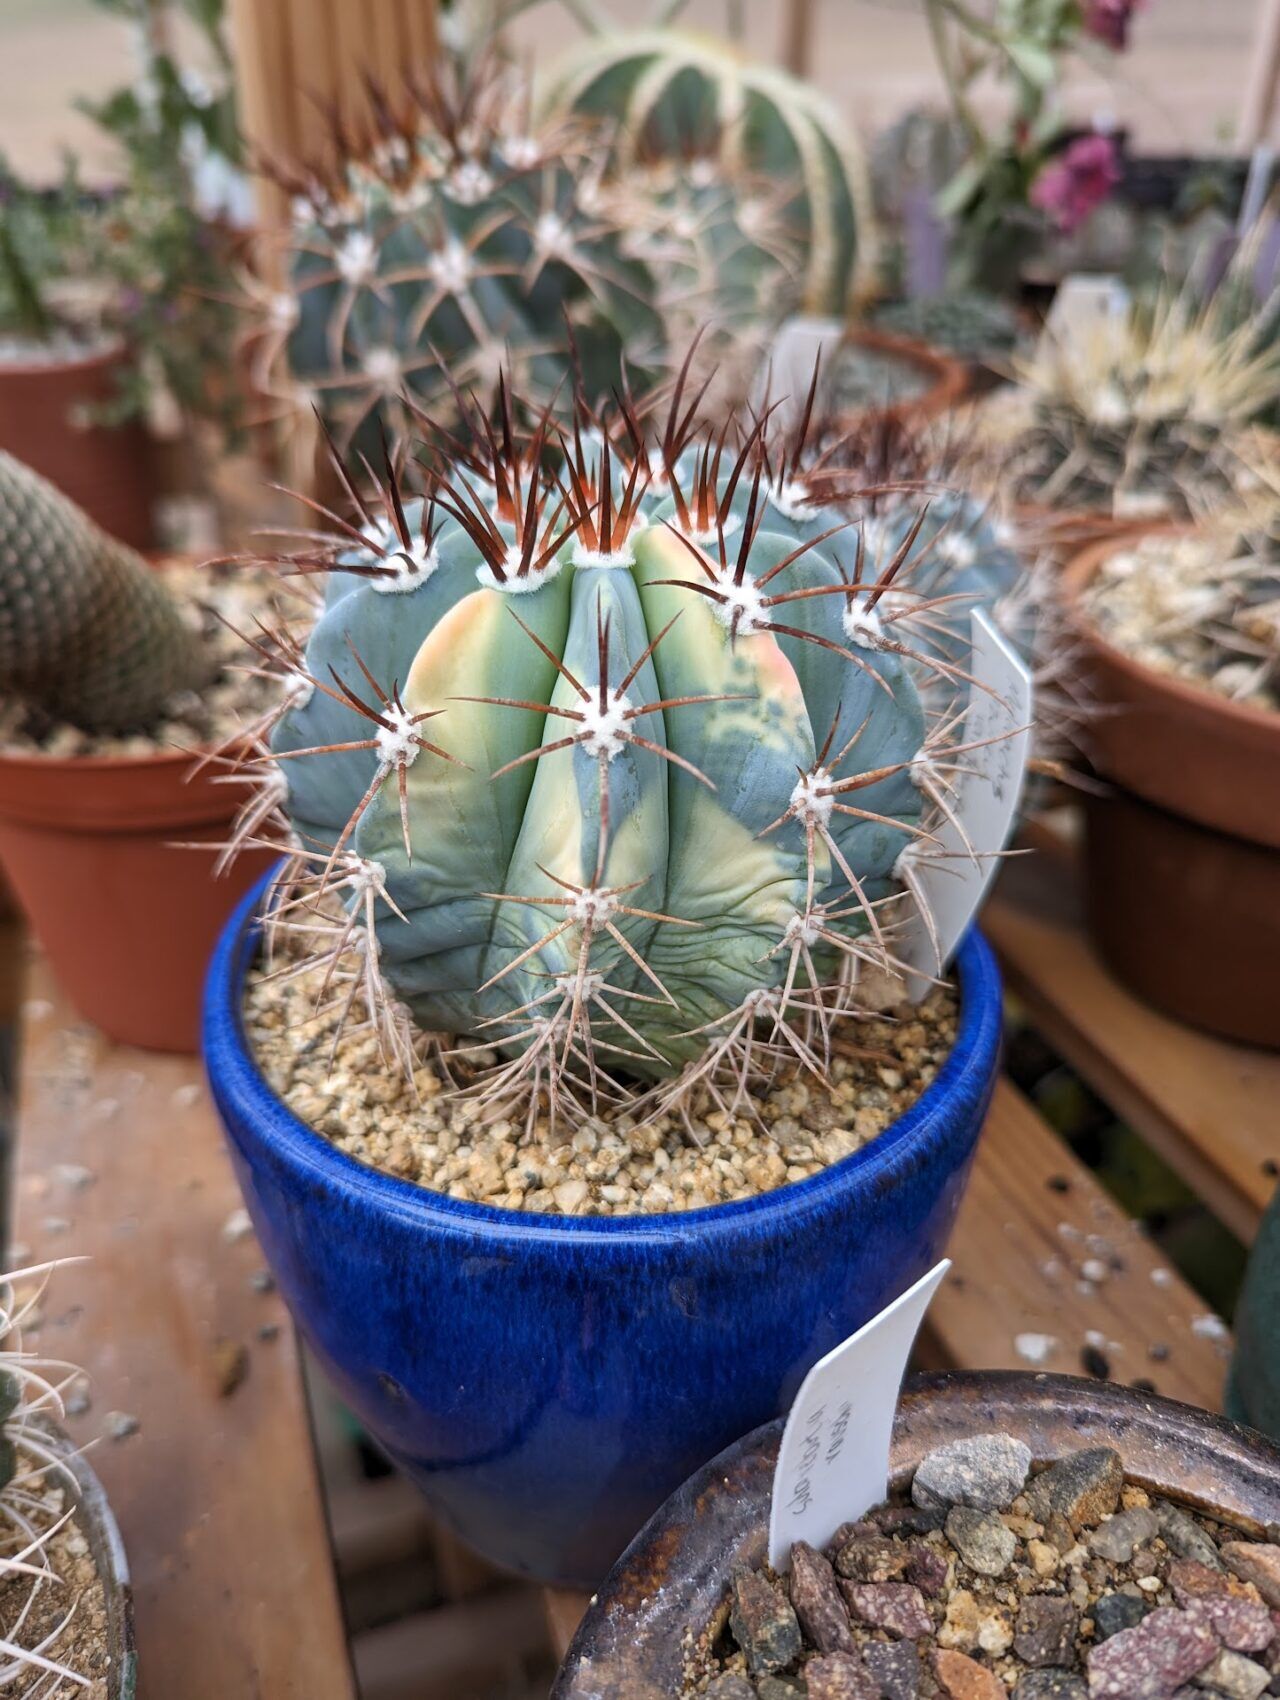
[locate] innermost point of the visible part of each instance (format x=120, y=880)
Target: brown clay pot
x=127, y=917
x=947, y=378
x=1064, y=532
x=107, y=469
x=633, y=1642
x=1183, y=856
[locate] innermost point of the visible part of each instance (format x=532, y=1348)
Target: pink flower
x=1109, y=20
x=1079, y=179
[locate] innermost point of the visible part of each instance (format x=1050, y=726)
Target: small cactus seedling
x=458, y=238
x=621, y=750
x=88, y=632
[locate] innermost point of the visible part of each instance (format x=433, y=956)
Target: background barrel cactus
x=458, y=237
x=618, y=751
x=671, y=92
x=88, y=632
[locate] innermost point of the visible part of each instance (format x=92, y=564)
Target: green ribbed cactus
x=88, y=632
x=616, y=749
x=668, y=91
x=457, y=239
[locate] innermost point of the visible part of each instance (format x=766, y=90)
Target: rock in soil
x=763, y=1623
x=840, y=1676
x=986, y=1472
x=896, y=1667
x=1082, y=1487
x=817, y=1601
x=981, y=1539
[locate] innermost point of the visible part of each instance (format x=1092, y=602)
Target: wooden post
x=298, y=59
x=797, y=49
x=1259, y=106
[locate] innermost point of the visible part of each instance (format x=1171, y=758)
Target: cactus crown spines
x=632, y=769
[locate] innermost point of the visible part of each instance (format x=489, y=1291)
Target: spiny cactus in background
x=671, y=92
x=88, y=633
x=1202, y=605
x=967, y=323
x=1146, y=415
x=618, y=752
x=457, y=238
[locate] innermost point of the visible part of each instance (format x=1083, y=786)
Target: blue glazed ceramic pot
x=546, y=1380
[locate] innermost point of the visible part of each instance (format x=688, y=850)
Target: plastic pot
x=129, y=919
x=548, y=1380
x=1183, y=855
x=633, y=1641
x=107, y=469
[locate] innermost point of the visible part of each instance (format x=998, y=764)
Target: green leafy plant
x=620, y=747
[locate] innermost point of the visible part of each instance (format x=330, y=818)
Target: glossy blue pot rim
x=241, y=1092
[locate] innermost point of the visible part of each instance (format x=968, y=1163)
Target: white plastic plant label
x=1084, y=309
x=787, y=372
x=833, y=1464
x=949, y=878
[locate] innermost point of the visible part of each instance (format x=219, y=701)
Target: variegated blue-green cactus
x=619, y=747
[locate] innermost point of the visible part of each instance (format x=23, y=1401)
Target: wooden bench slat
x=216, y=1493
x=1211, y=1109
x=1019, y=1253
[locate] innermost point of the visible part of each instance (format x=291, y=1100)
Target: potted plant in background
x=612, y=763
x=1178, y=639
x=113, y=675
x=461, y=236
x=113, y=334
x=64, y=1578
x=1145, y=416
x=1044, y=1536
x=60, y=359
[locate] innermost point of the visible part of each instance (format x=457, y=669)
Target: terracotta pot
x=947, y=378
x=1183, y=857
x=129, y=919
x=1064, y=532
x=632, y=1643
x=107, y=469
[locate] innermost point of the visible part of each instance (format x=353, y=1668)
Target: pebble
x=895, y=1607
x=840, y=1676
x=119, y=1425
x=1114, y=1612
x=986, y=1472
x=1051, y=1685
x=1184, y=1536
x=1082, y=1487
x=237, y=1227
x=896, y=1667
x=981, y=1539
x=1044, y=1558
x=763, y=1623
x=871, y=1557
x=1046, y=1631
x=928, y=1569
x=1258, y=1564
x=1240, y=1621
x=730, y=1686
x=961, y=1623
x=1235, y=1676
x=1119, y=1537
x=778, y=1688
x=962, y=1678
x=817, y=1601
x=1150, y=1662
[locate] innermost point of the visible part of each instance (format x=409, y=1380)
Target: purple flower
x=1075, y=182
x=1109, y=21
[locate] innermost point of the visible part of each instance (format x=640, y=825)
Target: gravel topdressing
x=609, y=1166
x=987, y=1581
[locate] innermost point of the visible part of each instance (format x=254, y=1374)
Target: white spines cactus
x=670, y=91
x=617, y=752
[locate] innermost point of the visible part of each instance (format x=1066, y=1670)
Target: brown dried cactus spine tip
x=88, y=632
